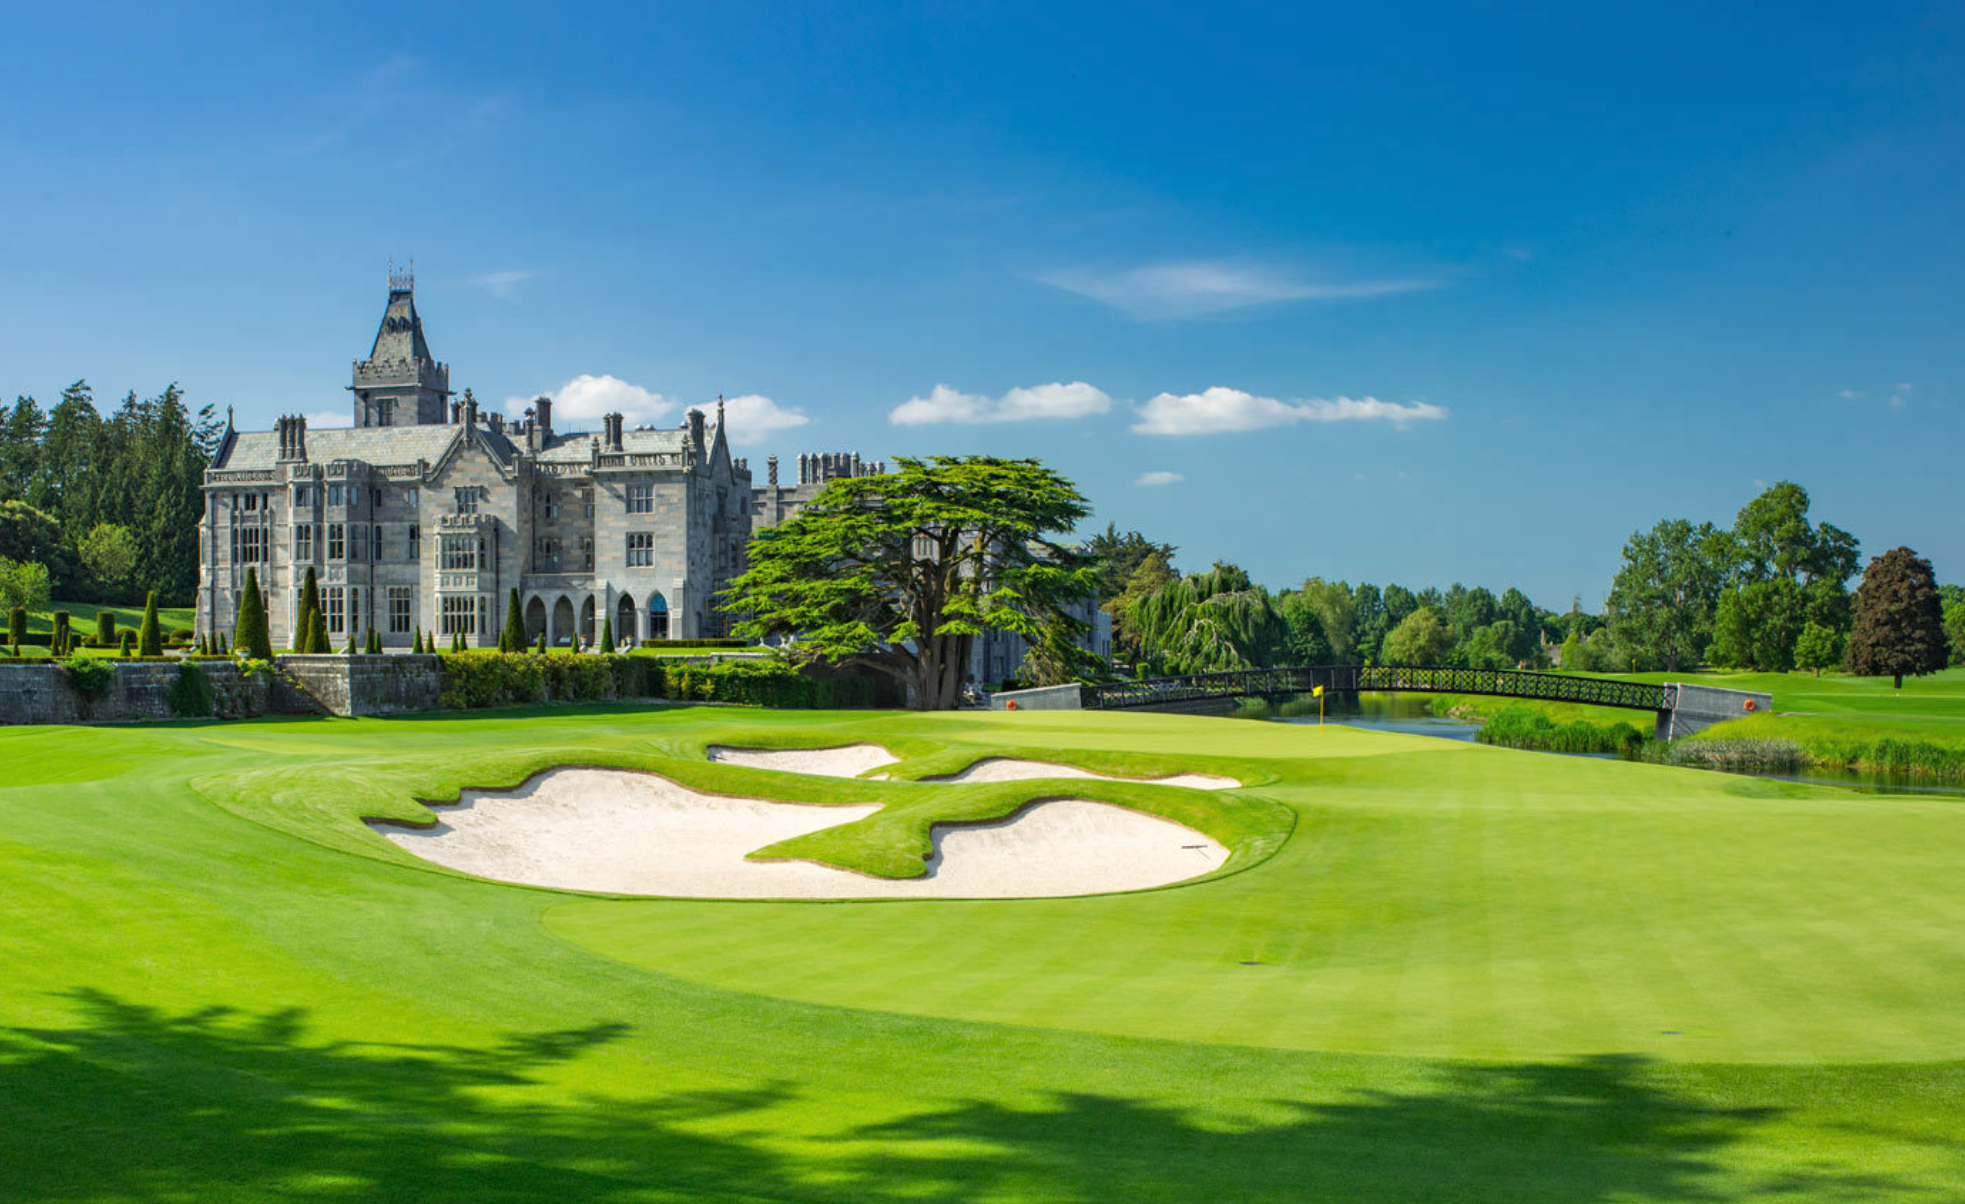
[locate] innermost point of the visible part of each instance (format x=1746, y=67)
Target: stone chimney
x=543, y=407
x=456, y=412
x=497, y=422
x=611, y=425
x=696, y=421
x=771, y=471
x=470, y=409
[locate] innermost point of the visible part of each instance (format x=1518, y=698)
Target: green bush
x=17, y=625
x=58, y=640
x=91, y=678
x=129, y=642
x=699, y=643
x=490, y=679
x=150, y=638
x=191, y=694
x=767, y=683
x=576, y=678
x=105, y=628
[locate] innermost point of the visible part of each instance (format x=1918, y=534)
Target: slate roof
x=374, y=445
x=400, y=337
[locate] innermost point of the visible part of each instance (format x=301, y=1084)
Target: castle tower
x=400, y=383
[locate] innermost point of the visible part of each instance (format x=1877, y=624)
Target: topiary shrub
x=106, y=628
x=191, y=694
x=16, y=626
x=129, y=642
x=253, y=636
x=58, y=642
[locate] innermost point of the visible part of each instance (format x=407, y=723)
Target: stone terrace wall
x=365, y=685
x=41, y=693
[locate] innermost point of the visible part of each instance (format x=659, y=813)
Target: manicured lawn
x=1466, y=974
x=82, y=617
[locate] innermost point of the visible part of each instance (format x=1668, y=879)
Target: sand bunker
x=1011, y=769
x=632, y=833
x=849, y=761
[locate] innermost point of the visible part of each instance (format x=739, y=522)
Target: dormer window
x=467, y=499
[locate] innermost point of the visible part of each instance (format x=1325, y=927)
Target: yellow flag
x=1317, y=692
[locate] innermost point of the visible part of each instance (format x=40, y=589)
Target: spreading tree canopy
x=901, y=572
x=1899, y=624
x=1210, y=622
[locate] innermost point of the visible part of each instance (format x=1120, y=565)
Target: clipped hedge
x=489, y=679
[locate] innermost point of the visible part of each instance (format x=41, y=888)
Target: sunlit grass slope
x=1479, y=975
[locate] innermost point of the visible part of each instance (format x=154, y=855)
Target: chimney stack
x=611, y=425
x=470, y=409
x=771, y=468
x=456, y=413
x=543, y=406
x=696, y=421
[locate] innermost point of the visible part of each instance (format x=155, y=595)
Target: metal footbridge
x=1681, y=708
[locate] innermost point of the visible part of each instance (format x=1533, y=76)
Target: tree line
x=107, y=507
x=1770, y=592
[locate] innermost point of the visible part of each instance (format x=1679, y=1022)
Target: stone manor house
x=428, y=512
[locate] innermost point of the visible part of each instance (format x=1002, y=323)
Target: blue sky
x=1423, y=295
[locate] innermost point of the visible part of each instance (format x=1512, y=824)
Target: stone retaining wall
x=364, y=685
x=42, y=693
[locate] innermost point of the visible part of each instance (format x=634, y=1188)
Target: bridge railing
x=1257, y=683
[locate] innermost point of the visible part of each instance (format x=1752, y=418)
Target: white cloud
x=1853, y=394
x=331, y=418
x=1056, y=400
x=1159, y=477
x=1220, y=410
x=753, y=417
x=1195, y=287
x=503, y=285
x=579, y=403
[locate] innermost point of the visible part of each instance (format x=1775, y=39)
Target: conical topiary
x=250, y=638
x=150, y=637
x=542, y=641
x=607, y=634
x=129, y=642
x=512, y=638
x=310, y=605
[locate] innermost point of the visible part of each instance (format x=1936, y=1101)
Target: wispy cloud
x=1853, y=394
x=1052, y=401
x=1159, y=477
x=1197, y=287
x=1222, y=410
x=503, y=284
x=328, y=419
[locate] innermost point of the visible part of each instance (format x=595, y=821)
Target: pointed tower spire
x=400, y=383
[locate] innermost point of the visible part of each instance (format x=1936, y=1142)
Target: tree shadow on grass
x=132, y=1103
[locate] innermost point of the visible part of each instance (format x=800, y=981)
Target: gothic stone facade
x=427, y=514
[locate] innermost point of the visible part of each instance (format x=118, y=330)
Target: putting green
x=1480, y=975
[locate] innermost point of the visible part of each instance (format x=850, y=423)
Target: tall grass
x=1740, y=755
x=1520, y=727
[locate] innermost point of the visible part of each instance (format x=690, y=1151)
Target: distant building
x=428, y=512
x=773, y=503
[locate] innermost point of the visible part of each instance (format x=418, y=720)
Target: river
x=1411, y=714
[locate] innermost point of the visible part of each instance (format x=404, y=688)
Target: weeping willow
x=1210, y=622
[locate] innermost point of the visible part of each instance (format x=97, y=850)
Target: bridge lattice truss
x=1272, y=683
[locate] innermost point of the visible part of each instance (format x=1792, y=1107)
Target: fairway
x=1426, y=970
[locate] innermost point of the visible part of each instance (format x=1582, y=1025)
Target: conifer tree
x=310, y=608
x=317, y=636
x=607, y=634
x=416, y=641
x=150, y=638
x=542, y=642
x=58, y=642
x=1899, y=621
x=512, y=638
x=350, y=649
x=17, y=626
x=129, y=642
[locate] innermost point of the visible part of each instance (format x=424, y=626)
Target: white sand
x=1011, y=769
x=849, y=761
x=631, y=833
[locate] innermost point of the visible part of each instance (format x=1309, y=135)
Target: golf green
x=1428, y=971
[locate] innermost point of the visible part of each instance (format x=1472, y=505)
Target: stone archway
x=562, y=631
x=587, y=633
x=535, y=620
x=658, y=617
x=624, y=618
